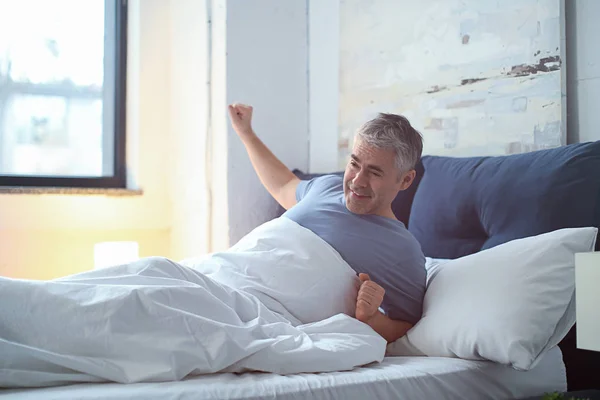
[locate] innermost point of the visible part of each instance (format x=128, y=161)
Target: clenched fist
x=370, y=296
x=241, y=119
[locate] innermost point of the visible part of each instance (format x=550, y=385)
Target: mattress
x=396, y=377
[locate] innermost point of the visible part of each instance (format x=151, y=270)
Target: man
x=354, y=214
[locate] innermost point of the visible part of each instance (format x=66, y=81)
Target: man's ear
x=407, y=179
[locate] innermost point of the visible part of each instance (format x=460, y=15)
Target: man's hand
x=241, y=119
x=370, y=296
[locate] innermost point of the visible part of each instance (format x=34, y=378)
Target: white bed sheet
x=394, y=378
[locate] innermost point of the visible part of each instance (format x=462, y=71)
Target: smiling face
x=372, y=180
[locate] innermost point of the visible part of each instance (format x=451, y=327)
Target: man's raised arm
x=279, y=181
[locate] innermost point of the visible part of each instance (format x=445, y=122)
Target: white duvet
x=281, y=301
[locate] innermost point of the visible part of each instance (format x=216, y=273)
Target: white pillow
x=433, y=266
x=507, y=304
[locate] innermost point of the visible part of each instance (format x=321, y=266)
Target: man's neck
x=387, y=213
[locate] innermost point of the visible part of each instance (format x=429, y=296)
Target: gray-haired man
x=354, y=214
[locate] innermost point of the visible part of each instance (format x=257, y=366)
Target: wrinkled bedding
x=281, y=300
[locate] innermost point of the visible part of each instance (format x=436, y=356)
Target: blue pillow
x=464, y=205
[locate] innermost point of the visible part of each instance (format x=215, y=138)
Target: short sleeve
x=319, y=185
x=303, y=188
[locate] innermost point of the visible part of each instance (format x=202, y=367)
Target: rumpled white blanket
x=281, y=300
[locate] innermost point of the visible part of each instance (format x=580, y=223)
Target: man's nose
x=360, y=179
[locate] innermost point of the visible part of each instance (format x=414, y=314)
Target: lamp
x=107, y=254
x=587, y=300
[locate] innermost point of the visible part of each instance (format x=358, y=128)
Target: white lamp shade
x=107, y=254
x=587, y=300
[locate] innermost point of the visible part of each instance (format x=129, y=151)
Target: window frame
x=118, y=180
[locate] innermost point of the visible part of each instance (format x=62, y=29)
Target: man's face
x=372, y=181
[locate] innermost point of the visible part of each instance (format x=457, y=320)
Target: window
x=62, y=93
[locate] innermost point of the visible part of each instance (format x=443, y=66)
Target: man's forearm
x=273, y=174
x=391, y=330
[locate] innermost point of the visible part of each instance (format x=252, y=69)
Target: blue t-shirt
x=379, y=246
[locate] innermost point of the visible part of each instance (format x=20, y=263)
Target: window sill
x=117, y=192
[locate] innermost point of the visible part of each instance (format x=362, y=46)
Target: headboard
x=459, y=206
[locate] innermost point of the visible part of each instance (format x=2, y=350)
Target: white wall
x=218, y=133
x=323, y=84
x=282, y=58
x=189, y=125
x=583, y=70
x=266, y=66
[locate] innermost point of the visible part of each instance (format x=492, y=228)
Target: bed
x=467, y=213
x=394, y=378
